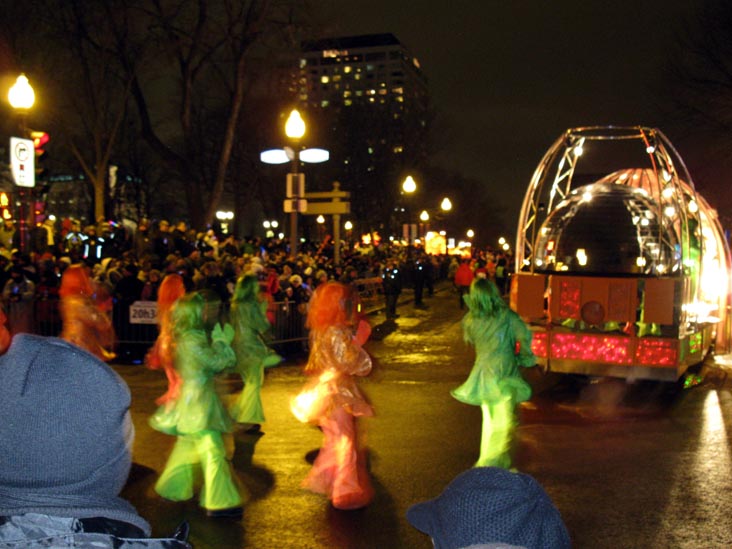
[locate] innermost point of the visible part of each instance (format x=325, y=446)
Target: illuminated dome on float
x=614, y=204
x=607, y=228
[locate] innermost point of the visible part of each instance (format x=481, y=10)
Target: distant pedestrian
x=391, y=279
x=419, y=277
x=463, y=278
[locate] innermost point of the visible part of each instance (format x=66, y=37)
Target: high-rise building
x=373, y=69
x=368, y=100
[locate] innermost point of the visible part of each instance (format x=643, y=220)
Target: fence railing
x=136, y=327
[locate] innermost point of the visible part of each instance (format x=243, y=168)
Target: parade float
x=622, y=268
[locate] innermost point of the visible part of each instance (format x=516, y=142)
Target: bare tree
x=202, y=49
x=699, y=89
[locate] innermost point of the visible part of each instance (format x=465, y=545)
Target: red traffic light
x=39, y=139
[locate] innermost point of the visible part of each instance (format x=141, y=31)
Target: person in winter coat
x=66, y=451
x=502, y=345
x=463, y=278
x=392, y=285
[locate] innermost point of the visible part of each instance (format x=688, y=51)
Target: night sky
x=508, y=77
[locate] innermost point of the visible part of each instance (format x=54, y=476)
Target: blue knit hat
x=66, y=435
x=489, y=506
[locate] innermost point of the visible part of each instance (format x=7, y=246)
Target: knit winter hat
x=491, y=506
x=66, y=433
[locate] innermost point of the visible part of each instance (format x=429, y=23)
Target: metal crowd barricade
x=371, y=291
x=136, y=325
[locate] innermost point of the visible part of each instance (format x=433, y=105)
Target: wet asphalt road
x=642, y=465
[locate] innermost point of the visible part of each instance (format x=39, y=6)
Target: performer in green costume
x=249, y=318
x=198, y=417
x=502, y=344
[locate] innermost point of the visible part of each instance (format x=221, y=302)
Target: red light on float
x=657, y=352
x=609, y=349
x=539, y=344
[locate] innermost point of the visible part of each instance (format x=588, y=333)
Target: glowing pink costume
x=332, y=399
x=84, y=318
x=162, y=353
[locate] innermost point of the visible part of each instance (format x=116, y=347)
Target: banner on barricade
x=144, y=312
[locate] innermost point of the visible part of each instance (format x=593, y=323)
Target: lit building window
x=325, y=79
x=324, y=103
x=347, y=69
x=382, y=92
x=348, y=102
x=359, y=93
x=303, y=63
x=398, y=90
x=357, y=77
x=347, y=93
x=337, y=78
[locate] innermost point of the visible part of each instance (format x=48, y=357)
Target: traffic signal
x=40, y=140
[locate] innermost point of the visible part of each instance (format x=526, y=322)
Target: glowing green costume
x=249, y=318
x=502, y=344
x=197, y=416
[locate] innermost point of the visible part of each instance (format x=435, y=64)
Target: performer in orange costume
x=332, y=399
x=161, y=355
x=84, y=318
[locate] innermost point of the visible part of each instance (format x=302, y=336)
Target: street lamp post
x=295, y=201
x=295, y=129
x=409, y=186
x=22, y=97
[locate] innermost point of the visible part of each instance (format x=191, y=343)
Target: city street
x=628, y=465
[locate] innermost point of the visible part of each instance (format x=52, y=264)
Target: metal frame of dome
x=696, y=287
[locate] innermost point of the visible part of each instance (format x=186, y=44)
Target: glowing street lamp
x=21, y=94
x=446, y=205
x=424, y=216
x=409, y=185
x=22, y=97
x=470, y=233
x=295, y=129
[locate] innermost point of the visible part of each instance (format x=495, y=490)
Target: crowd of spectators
x=129, y=264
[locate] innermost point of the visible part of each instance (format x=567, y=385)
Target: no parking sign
x=22, y=161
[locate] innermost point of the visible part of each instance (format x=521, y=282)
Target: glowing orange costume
x=84, y=316
x=161, y=355
x=332, y=399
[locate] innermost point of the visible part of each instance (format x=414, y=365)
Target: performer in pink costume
x=161, y=355
x=332, y=399
x=84, y=316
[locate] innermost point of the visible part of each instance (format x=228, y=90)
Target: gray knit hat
x=65, y=433
x=492, y=507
